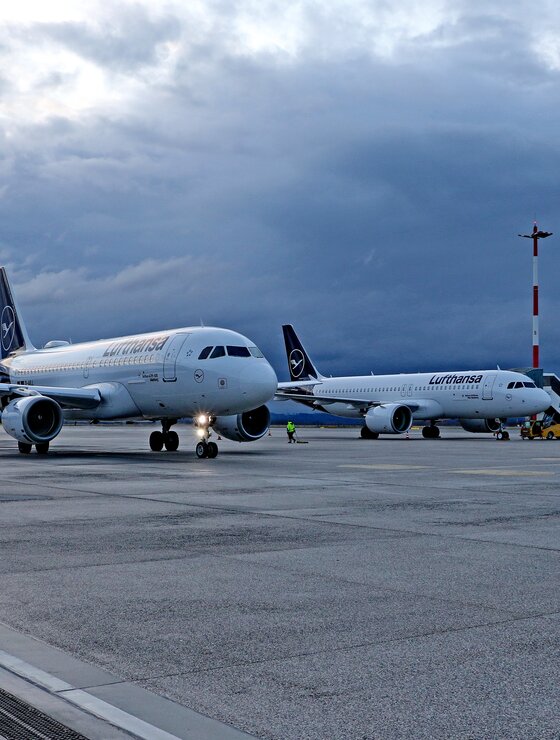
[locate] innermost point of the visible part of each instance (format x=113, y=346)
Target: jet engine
x=481, y=426
x=33, y=419
x=246, y=427
x=391, y=418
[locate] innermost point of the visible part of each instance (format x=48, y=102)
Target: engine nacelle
x=33, y=419
x=481, y=426
x=391, y=418
x=246, y=427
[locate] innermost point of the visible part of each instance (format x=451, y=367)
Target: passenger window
x=238, y=351
x=218, y=352
x=205, y=352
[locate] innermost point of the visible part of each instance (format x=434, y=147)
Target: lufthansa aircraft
x=216, y=376
x=388, y=404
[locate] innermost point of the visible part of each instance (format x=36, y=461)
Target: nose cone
x=535, y=401
x=258, y=383
x=542, y=400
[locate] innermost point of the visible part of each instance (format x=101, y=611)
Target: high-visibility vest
x=291, y=427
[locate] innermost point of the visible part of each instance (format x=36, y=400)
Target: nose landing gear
x=204, y=448
x=165, y=438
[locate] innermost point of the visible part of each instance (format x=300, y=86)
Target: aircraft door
x=487, y=386
x=87, y=365
x=170, y=359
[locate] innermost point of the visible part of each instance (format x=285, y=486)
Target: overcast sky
x=359, y=169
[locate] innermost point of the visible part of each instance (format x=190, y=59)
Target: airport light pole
x=535, y=236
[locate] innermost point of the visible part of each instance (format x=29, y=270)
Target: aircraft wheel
x=42, y=448
x=366, y=433
x=505, y=435
x=201, y=449
x=171, y=441
x=212, y=449
x=24, y=448
x=430, y=432
x=550, y=435
x=499, y=435
x=156, y=441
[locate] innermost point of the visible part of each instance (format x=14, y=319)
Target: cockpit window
x=238, y=351
x=205, y=352
x=255, y=351
x=218, y=352
x=519, y=384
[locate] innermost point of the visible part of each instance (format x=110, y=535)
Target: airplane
x=388, y=404
x=217, y=376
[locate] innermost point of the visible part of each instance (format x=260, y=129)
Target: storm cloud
x=358, y=169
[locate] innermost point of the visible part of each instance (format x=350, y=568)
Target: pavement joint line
x=386, y=467
x=349, y=648
x=83, y=700
x=509, y=473
x=322, y=522
x=402, y=592
x=331, y=484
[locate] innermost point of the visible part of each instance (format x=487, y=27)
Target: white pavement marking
x=83, y=700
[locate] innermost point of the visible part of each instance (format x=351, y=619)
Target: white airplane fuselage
x=467, y=394
x=152, y=376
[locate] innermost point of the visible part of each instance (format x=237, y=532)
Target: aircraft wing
x=74, y=398
x=311, y=399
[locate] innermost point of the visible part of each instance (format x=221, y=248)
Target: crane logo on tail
x=297, y=362
x=8, y=325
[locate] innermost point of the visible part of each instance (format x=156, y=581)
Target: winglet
x=13, y=335
x=299, y=362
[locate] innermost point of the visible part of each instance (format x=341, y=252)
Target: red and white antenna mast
x=535, y=236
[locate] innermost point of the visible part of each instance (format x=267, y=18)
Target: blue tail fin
x=12, y=331
x=299, y=362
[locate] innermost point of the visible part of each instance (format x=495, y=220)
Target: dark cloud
x=372, y=200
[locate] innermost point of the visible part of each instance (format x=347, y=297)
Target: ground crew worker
x=291, y=430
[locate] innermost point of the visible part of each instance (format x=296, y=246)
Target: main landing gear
x=25, y=448
x=166, y=438
x=431, y=431
x=366, y=433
